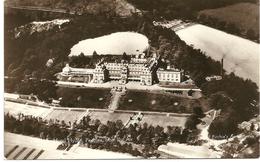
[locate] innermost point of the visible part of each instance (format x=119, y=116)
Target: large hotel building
x=139, y=68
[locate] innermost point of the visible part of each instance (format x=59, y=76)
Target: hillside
x=181, y=9
x=38, y=26
x=111, y=7
x=26, y=56
x=245, y=16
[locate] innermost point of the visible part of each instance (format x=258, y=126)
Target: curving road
x=45, y=9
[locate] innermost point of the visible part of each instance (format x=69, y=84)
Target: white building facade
x=138, y=69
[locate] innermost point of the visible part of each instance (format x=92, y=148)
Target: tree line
x=27, y=57
x=112, y=136
x=189, y=10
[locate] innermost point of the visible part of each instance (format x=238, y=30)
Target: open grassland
x=163, y=120
x=160, y=102
x=104, y=117
x=16, y=108
x=86, y=98
x=65, y=115
x=243, y=15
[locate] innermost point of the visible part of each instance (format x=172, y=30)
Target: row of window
x=168, y=75
x=169, y=80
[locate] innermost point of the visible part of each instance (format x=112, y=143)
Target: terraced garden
x=87, y=97
x=160, y=102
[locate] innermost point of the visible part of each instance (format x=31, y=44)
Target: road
x=129, y=85
x=45, y=9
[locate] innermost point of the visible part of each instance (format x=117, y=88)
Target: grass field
x=87, y=97
x=67, y=116
x=163, y=120
x=160, y=102
x=106, y=116
x=243, y=15
x=16, y=108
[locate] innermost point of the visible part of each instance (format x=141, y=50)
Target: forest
x=26, y=57
x=190, y=10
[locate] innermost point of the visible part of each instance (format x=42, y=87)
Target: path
x=129, y=85
x=188, y=151
x=76, y=114
x=114, y=101
x=116, y=92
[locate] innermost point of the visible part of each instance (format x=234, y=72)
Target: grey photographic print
x=131, y=79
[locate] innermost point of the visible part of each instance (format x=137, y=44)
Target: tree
x=94, y=55
x=192, y=122
x=251, y=34
x=125, y=57
x=219, y=101
x=198, y=112
x=224, y=125
x=119, y=124
x=102, y=129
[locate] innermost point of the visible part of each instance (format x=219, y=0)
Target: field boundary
x=98, y=110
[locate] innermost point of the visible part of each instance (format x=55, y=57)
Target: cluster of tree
x=113, y=136
x=235, y=98
x=83, y=61
x=27, y=56
x=187, y=9
x=175, y=52
x=138, y=134
x=112, y=145
x=224, y=126
x=248, y=148
x=240, y=93
x=228, y=27
x=79, y=7
x=45, y=90
x=195, y=118
x=33, y=126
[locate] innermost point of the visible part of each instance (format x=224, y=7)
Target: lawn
x=106, y=116
x=67, y=116
x=163, y=120
x=160, y=102
x=85, y=98
x=16, y=108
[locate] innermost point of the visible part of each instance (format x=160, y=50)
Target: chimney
x=149, y=46
x=222, y=66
